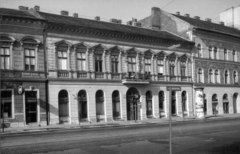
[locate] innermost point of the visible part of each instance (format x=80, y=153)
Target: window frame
x=30, y=57
x=160, y=64
x=81, y=60
x=98, y=63
x=132, y=64
x=114, y=63
x=4, y=56
x=59, y=59
x=12, y=103
x=210, y=52
x=147, y=65
x=172, y=68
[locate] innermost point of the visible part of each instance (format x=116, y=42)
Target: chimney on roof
x=23, y=8
x=178, y=13
x=114, y=20
x=197, y=17
x=37, y=8
x=187, y=15
x=64, y=13
x=97, y=18
x=75, y=15
x=155, y=10
x=221, y=23
x=208, y=20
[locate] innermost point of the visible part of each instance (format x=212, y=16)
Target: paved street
x=214, y=136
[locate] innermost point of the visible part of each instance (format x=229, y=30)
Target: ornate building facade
x=216, y=57
x=94, y=69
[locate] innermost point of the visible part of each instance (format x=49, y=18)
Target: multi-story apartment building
x=95, y=68
x=23, y=75
x=216, y=57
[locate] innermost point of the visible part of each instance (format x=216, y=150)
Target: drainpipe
x=46, y=74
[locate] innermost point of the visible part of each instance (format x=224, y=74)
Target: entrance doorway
x=149, y=104
x=173, y=102
x=31, y=106
x=130, y=105
x=82, y=105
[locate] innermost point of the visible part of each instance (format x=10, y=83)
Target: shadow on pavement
x=233, y=148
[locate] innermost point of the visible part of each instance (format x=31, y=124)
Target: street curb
x=89, y=127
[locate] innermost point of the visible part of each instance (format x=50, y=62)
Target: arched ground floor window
x=225, y=104
x=63, y=106
x=214, y=104
x=82, y=105
x=133, y=112
x=116, y=105
x=100, y=106
x=149, y=108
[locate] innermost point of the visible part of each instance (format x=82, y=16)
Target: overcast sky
x=127, y=9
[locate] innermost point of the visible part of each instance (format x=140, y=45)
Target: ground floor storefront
x=221, y=100
x=23, y=103
x=74, y=102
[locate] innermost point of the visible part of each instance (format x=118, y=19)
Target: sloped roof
x=210, y=26
x=81, y=22
x=16, y=13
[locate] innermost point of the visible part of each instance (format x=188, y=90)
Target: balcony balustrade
x=82, y=75
x=63, y=74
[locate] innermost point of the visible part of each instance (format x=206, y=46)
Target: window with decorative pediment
x=200, y=75
x=215, y=52
x=98, y=63
x=30, y=47
x=81, y=61
x=5, y=58
x=217, y=76
x=62, y=60
x=131, y=64
x=226, y=77
x=160, y=64
x=234, y=55
x=30, y=59
x=172, y=68
x=210, y=76
x=199, y=49
x=147, y=65
x=210, y=52
x=235, y=77
x=183, y=68
x=114, y=63
x=225, y=54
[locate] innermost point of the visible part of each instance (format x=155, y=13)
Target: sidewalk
x=87, y=125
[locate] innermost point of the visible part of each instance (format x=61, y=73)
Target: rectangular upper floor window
x=114, y=63
x=225, y=54
x=62, y=60
x=148, y=66
x=160, y=66
x=30, y=59
x=131, y=64
x=98, y=63
x=81, y=61
x=183, y=69
x=5, y=58
x=172, y=68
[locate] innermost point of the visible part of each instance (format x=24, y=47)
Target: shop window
x=184, y=100
x=81, y=61
x=5, y=58
x=114, y=63
x=30, y=59
x=98, y=63
x=116, y=104
x=6, y=106
x=62, y=60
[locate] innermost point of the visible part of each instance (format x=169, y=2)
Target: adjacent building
x=216, y=57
